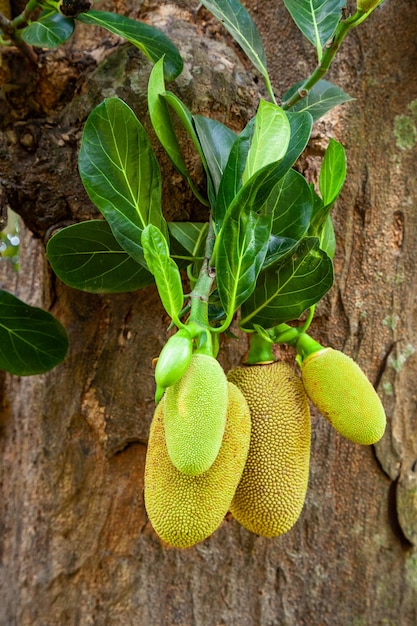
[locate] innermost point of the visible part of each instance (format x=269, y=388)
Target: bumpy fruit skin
x=186, y=509
x=337, y=386
x=271, y=492
x=195, y=415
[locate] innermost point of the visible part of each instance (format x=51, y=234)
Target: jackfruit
x=173, y=361
x=271, y=493
x=337, y=386
x=186, y=509
x=195, y=415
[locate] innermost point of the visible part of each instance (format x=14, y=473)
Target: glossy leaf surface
x=236, y=19
x=88, y=257
x=32, y=341
x=50, y=30
x=153, y=43
x=244, y=236
x=164, y=269
x=270, y=138
x=292, y=214
x=216, y=141
x=285, y=290
x=323, y=97
x=332, y=172
x=317, y=19
x=120, y=173
x=162, y=122
x=231, y=181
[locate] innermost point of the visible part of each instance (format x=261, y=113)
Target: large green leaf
x=32, y=341
x=153, y=43
x=317, y=19
x=292, y=214
x=216, y=141
x=164, y=269
x=87, y=256
x=50, y=30
x=320, y=99
x=231, y=180
x=285, y=290
x=236, y=19
x=270, y=138
x=241, y=248
x=120, y=173
x=242, y=242
x=332, y=172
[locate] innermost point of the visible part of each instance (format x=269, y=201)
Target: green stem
x=24, y=16
x=306, y=346
x=260, y=350
x=200, y=294
x=322, y=68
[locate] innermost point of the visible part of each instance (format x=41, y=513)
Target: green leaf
x=242, y=242
x=327, y=237
x=151, y=41
x=270, y=138
x=292, y=215
x=165, y=271
x=317, y=19
x=320, y=99
x=188, y=234
x=161, y=120
x=332, y=172
x=231, y=181
x=241, y=248
x=158, y=99
x=238, y=22
x=87, y=256
x=216, y=141
x=50, y=30
x=120, y=173
x=284, y=291
x=301, y=125
x=32, y=341
x=188, y=240
x=331, y=179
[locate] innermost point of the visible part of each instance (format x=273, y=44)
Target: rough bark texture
x=76, y=547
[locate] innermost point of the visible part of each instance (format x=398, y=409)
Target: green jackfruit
x=186, y=509
x=337, y=386
x=271, y=492
x=195, y=415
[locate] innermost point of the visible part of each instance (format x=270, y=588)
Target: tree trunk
x=75, y=543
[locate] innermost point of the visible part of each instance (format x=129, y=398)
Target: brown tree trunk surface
x=76, y=547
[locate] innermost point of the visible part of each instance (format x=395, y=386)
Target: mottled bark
x=75, y=543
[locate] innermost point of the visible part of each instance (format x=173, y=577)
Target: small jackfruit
x=271, y=493
x=186, y=509
x=337, y=386
x=195, y=415
x=173, y=361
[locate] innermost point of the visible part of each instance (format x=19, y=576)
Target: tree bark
x=75, y=543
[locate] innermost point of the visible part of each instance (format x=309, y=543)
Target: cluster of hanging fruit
x=241, y=442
